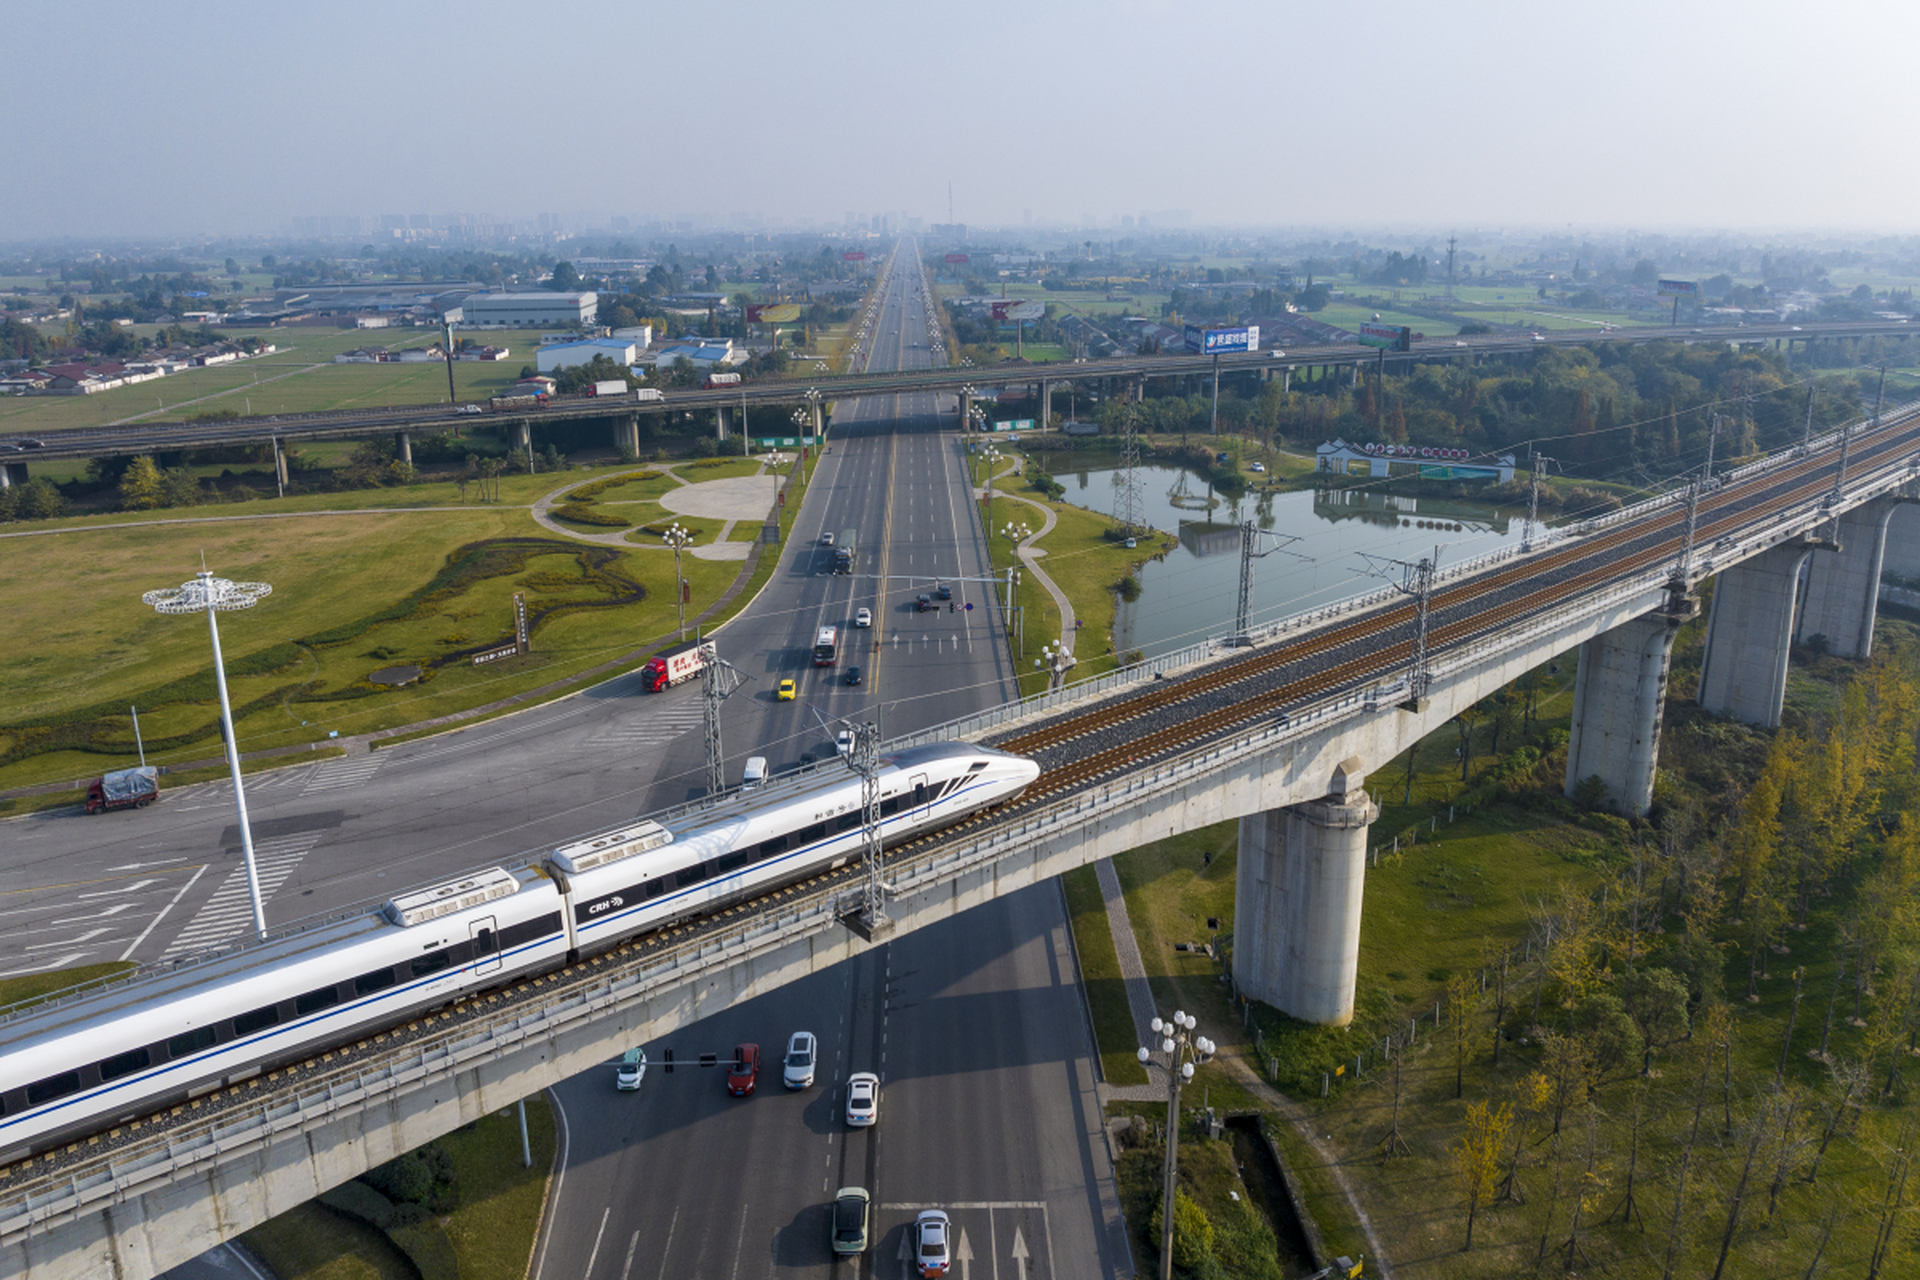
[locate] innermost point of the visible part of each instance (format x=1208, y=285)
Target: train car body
x=73, y=1066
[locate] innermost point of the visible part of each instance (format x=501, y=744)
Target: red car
x=744, y=1074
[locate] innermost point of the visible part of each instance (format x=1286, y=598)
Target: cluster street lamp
x=1018, y=532
x=215, y=595
x=1182, y=1048
x=678, y=538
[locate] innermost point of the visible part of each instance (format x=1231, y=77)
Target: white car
x=930, y=1232
x=843, y=744
x=631, y=1070
x=826, y=539
x=863, y=618
x=1259, y=468
x=802, y=1050
x=863, y=1099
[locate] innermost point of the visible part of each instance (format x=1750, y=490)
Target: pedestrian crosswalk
x=347, y=771
x=651, y=728
x=229, y=912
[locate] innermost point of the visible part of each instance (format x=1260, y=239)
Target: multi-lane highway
x=977, y=1028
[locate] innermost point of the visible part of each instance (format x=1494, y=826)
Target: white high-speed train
x=78, y=1066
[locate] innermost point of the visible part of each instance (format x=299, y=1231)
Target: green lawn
x=1352, y=315
x=1100, y=979
x=104, y=647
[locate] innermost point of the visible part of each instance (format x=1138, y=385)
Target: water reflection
x=1190, y=571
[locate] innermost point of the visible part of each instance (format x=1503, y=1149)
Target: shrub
x=1128, y=587
x=358, y=1200
x=580, y=513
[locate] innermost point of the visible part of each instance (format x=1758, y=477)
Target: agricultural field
x=299, y=377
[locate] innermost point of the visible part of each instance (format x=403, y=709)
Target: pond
x=1190, y=575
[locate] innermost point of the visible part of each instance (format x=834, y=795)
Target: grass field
x=1352, y=316
x=299, y=377
x=491, y=1227
x=108, y=648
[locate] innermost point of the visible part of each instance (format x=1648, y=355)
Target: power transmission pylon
x=1126, y=498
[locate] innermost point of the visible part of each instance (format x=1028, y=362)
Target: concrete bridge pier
x=1750, y=634
x=279, y=463
x=720, y=422
x=6, y=474
x=403, y=446
x=626, y=434
x=1302, y=870
x=1901, y=554
x=523, y=436
x=1843, y=582
x=1618, y=697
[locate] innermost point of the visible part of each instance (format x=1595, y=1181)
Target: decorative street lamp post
x=677, y=538
x=1181, y=1048
x=214, y=595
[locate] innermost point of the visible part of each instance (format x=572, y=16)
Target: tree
x=40, y=500
x=141, y=488
x=1657, y=1000
x=1192, y=1232
x=564, y=277
x=1476, y=1160
x=1462, y=997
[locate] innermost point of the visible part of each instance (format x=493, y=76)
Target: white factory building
x=556, y=356
x=529, y=310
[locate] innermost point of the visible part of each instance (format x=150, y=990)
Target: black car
x=923, y=604
x=852, y=676
x=34, y=444
x=943, y=592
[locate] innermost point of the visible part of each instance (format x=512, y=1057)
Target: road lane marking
x=632, y=1244
x=114, y=893
x=666, y=1248
x=230, y=910
x=113, y=910
x=345, y=772
x=604, y=1215
x=197, y=873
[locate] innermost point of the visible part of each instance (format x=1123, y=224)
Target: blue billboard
x=1216, y=342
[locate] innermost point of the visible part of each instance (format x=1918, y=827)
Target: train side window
x=655, y=887
x=53, y=1087
x=687, y=877
x=368, y=983
x=889, y=806
x=773, y=847
x=517, y=935
x=847, y=821
x=919, y=794
x=432, y=962
x=188, y=1043
x=818, y=831
x=315, y=1001
x=733, y=861
x=122, y=1064
x=256, y=1020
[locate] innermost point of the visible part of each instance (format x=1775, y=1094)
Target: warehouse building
x=527, y=310
x=566, y=355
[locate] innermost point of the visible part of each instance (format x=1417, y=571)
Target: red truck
x=670, y=666
x=124, y=789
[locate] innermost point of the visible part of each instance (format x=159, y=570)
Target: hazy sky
x=145, y=118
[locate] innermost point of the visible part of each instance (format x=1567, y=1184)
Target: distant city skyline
x=224, y=118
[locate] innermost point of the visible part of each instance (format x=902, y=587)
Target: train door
x=486, y=945
x=922, y=796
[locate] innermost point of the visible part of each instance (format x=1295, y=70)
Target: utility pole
x=1249, y=536
x=1213, y=425
x=1535, y=462
x=1451, y=242
x=1126, y=499
x=873, y=896
x=1416, y=580
x=718, y=679
x=1693, y=509
x=446, y=349
x=1806, y=432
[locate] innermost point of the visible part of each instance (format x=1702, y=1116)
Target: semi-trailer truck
x=845, y=551
x=670, y=666
x=608, y=387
